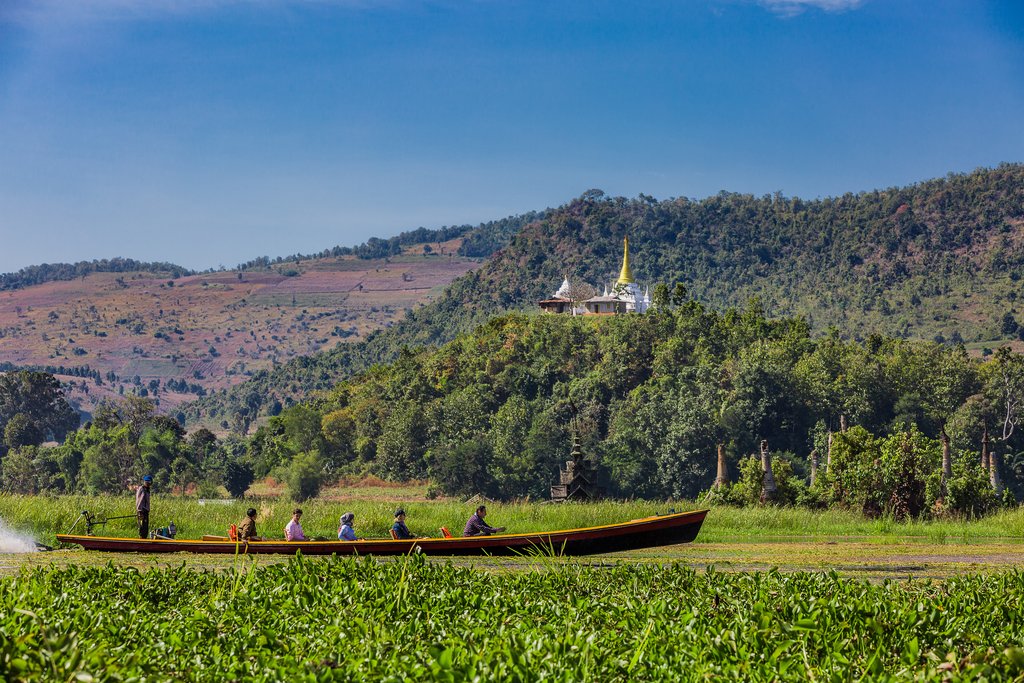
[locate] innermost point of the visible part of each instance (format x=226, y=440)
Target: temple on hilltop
x=623, y=297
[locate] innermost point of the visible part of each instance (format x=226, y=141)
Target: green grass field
x=45, y=516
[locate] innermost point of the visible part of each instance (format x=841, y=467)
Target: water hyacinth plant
x=359, y=619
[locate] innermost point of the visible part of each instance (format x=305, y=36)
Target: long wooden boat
x=648, y=532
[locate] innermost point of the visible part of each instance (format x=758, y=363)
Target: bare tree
x=947, y=463
x=723, y=476
x=577, y=292
x=768, y=488
x=1009, y=385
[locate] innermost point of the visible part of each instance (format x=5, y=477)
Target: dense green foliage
x=652, y=396
x=32, y=409
x=409, y=620
x=938, y=260
x=49, y=272
x=116, y=448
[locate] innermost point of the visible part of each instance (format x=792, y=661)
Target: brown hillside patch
x=210, y=330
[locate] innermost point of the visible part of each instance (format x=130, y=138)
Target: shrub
x=304, y=476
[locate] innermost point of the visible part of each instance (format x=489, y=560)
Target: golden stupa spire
x=626, y=276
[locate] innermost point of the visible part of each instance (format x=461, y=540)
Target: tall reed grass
x=43, y=516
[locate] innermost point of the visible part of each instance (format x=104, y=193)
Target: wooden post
x=768, y=488
x=814, y=466
x=723, y=476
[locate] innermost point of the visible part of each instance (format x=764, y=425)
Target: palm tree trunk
x=768, y=488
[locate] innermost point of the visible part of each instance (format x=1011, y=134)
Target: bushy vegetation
x=940, y=260
x=651, y=397
x=49, y=272
x=346, y=619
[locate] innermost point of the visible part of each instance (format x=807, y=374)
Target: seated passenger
x=247, y=529
x=293, y=530
x=477, y=527
x=345, y=530
x=399, y=530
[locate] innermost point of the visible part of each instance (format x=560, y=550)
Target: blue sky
x=209, y=132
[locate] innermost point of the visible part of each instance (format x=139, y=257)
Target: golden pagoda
x=626, y=276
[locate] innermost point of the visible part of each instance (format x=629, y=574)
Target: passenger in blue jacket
x=345, y=530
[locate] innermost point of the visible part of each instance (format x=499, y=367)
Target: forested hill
x=56, y=272
x=939, y=260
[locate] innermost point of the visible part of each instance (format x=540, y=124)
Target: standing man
x=477, y=527
x=142, y=506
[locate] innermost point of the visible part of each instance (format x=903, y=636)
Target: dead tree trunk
x=947, y=464
x=814, y=466
x=984, y=449
x=828, y=454
x=993, y=473
x=842, y=423
x=723, y=475
x=768, y=488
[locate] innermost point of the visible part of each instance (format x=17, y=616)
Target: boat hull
x=649, y=532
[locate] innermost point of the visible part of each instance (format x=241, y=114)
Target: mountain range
x=938, y=260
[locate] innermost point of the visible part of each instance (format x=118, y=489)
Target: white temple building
x=624, y=296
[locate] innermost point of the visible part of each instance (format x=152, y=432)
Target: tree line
x=682, y=402
x=49, y=272
x=679, y=403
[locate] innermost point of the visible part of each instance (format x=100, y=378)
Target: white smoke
x=13, y=542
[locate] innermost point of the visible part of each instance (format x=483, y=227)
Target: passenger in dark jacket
x=399, y=530
x=477, y=527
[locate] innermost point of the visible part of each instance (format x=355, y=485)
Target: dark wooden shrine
x=579, y=480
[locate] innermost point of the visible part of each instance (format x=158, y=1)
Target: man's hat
x=147, y=478
x=399, y=512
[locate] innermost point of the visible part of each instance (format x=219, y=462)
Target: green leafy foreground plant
x=348, y=619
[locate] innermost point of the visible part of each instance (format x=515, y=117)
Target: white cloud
x=791, y=8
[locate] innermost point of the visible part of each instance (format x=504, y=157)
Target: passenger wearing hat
x=142, y=506
x=399, y=530
x=345, y=530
